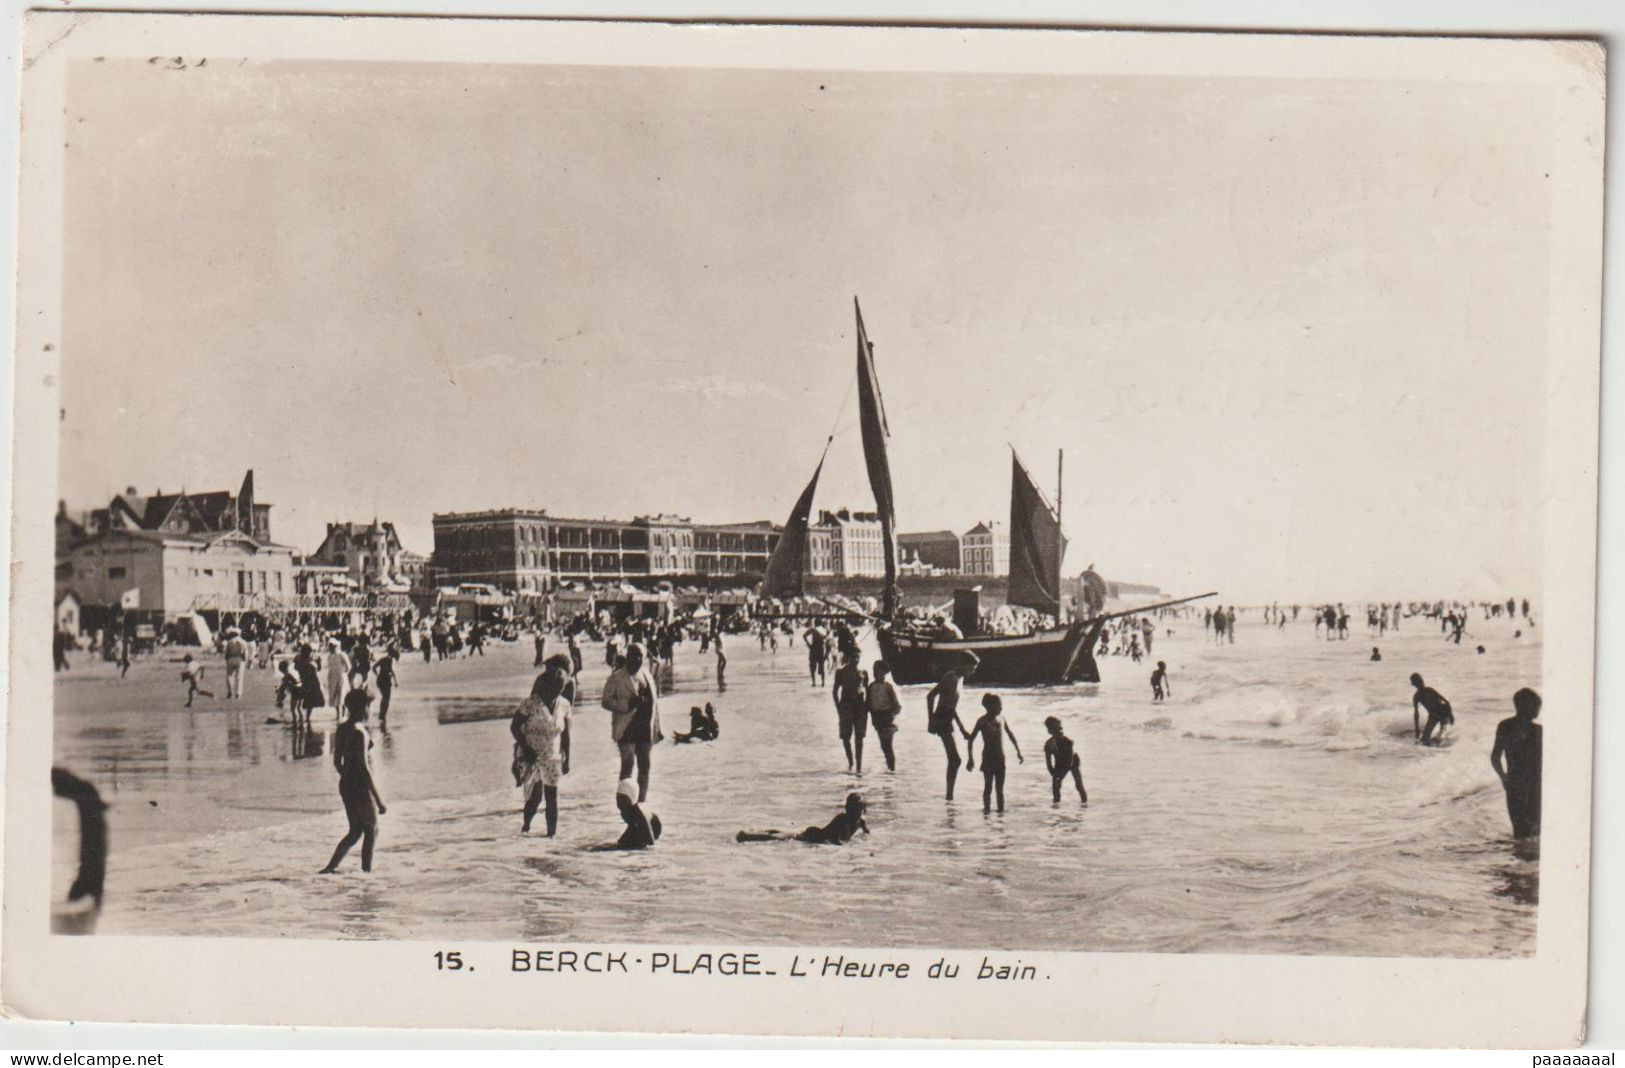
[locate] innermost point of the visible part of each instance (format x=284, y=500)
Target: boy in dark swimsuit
x=838, y=831
x=1061, y=758
x=850, y=694
x=1159, y=683
x=992, y=729
x=942, y=713
x=1518, y=744
x=1439, y=713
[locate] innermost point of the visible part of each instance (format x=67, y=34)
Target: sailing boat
x=1054, y=655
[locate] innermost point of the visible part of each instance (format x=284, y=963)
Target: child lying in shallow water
x=837, y=831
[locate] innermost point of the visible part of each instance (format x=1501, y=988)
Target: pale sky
x=1290, y=334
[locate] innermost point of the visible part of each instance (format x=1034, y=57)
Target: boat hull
x=1048, y=658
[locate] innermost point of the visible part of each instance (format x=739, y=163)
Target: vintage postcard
x=882, y=532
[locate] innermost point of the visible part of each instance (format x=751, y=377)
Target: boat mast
x=1060, y=467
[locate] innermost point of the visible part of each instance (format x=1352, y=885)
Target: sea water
x=1275, y=803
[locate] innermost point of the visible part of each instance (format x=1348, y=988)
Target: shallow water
x=1275, y=804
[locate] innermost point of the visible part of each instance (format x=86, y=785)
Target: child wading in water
x=192, y=675
x=1160, y=687
x=992, y=729
x=1062, y=759
x=838, y=831
x=356, y=788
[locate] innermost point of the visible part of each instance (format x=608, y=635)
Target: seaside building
x=371, y=553
x=858, y=543
x=985, y=550
x=671, y=544
x=935, y=551
x=820, y=548
x=170, y=573
x=525, y=551
x=186, y=513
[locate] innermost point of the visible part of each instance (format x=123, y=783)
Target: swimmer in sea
x=1160, y=686
x=992, y=729
x=838, y=831
x=1376, y=654
x=1516, y=760
x=1438, y=709
x=642, y=825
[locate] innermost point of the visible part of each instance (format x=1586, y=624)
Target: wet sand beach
x=1275, y=804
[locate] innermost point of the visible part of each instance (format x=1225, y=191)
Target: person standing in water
x=722, y=668
x=1062, y=759
x=992, y=729
x=1439, y=714
x=817, y=654
x=942, y=713
x=358, y=791
x=850, y=693
x=884, y=704
x=385, y=670
x=1160, y=687
x=1516, y=759
x=631, y=696
x=542, y=729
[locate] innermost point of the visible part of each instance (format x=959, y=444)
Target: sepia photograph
x=844, y=499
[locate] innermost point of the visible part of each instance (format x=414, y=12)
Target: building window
x=115, y=572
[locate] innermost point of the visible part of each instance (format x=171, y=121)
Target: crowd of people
x=352, y=670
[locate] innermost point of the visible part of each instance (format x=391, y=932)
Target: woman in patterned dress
x=541, y=731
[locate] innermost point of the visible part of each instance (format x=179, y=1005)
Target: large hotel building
x=532, y=552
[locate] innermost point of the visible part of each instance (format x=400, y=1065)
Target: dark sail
x=1036, y=545
x=788, y=562
x=872, y=418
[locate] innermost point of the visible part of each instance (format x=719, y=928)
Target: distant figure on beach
x=1376, y=654
x=360, y=660
x=884, y=704
x=851, y=697
x=385, y=671
x=1160, y=686
x=631, y=696
x=838, y=831
x=722, y=669
x=992, y=729
x=642, y=825
x=60, y=640
x=236, y=652
x=1516, y=760
x=1062, y=759
x=338, y=670
x=358, y=791
x=540, y=640
x=1438, y=709
x=541, y=733
x=287, y=687
x=310, y=683
x=817, y=653
x=942, y=713
x=575, y=652
x=123, y=655
x=192, y=675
